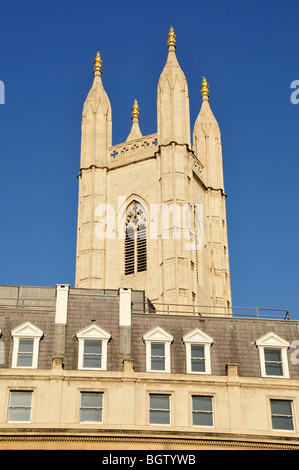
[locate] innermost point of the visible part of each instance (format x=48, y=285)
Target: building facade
x=95, y=369
x=146, y=352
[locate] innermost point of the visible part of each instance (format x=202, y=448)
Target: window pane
x=272, y=355
x=157, y=349
x=159, y=402
x=92, y=347
x=90, y=414
x=157, y=359
x=197, y=365
x=282, y=414
x=91, y=407
x=202, y=411
x=158, y=363
x=159, y=417
x=202, y=419
x=283, y=422
x=19, y=414
x=273, y=363
x=202, y=403
x=197, y=358
x=20, y=406
x=26, y=345
x=92, y=361
x=24, y=360
x=197, y=351
x=92, y=399
x=20, y=398
x=92, y=356
x=281, y=407
x=25, y=354
x=159, y=409
x=273, y=369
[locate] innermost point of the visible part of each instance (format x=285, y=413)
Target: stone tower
x=151, y=212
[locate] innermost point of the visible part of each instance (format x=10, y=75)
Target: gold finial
x=204, y=87
x=171, y=39
x=135, y=110
x=97, y=65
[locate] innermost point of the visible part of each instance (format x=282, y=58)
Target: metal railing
x=147, y=307
x=208, y=310
x=27, y=303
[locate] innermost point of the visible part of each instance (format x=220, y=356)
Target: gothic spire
x=96, y=121
x=173, y=100
x=207, y=141
x=135, y=130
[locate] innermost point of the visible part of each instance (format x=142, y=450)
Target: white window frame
x=273, y=341
x=168, y=410
x=26, y=331
x=157, y=335
x=94, y=333
x=281, y=429
x=210, y=412
x=198, y=337
x=82, y=392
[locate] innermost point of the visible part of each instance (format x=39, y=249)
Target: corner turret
x=207, y=142
x=135, y=130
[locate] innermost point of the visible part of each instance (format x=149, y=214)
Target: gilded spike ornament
x=171, y=39
x=135, y=110
x=204, y=87
x=97, y=65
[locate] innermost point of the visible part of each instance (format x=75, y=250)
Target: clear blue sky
x=249, y=53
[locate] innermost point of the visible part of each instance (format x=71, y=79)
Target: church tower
x=151, y=210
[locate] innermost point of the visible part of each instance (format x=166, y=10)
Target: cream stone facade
x=55, y=417
x=240, y=395
x=179, y=186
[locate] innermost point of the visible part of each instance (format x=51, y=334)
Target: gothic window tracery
x=135, y=241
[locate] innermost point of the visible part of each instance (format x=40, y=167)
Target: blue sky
x=249, y=53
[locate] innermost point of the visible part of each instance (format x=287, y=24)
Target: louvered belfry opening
x=135, y=241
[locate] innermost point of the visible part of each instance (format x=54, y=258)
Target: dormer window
x=26, y=339
x=157, y=343
x=273, y=356
x=198, y=346
x=92, y=353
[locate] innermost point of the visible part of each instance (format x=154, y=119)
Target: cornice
x=141, y=439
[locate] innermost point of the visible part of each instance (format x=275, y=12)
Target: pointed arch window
x=135, y=240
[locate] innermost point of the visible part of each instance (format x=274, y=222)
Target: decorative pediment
x=197, y=336
x=28, y=330
x=272, y=340
x=93, y=331
x=157, y=334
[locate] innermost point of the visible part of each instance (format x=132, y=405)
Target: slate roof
x=233, y=338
